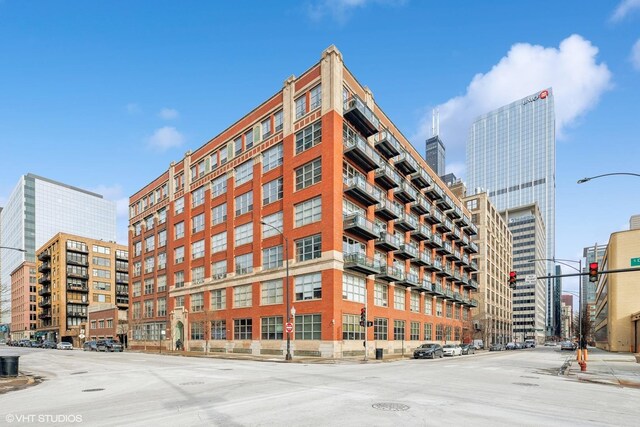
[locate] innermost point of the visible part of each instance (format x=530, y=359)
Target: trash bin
x=9, y=366
x=379, y=354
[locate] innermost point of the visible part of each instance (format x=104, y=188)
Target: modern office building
x=566, y=322
x=617, y=296
x=493, y=318
x=435, y=155
x=529, y=299
x=23, y=301
x=38, y=208
x=554, y=304
x=74, y=273
x=313, y=207
x=567, y=300
x=588, y=292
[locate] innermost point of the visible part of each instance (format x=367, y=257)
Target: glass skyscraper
x=434, y=154
x=37, y=209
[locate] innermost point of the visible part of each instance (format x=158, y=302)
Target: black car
x=90, y=346
x=49, y=344
x=428, y=351
x=108, y=345
x=468, y=349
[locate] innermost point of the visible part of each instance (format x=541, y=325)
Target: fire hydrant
x=583, y=366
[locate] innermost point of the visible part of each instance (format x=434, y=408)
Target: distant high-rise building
x=556, y=330
x=634, y=222
x=37, y=209
x=435, y=154
x=588, y=288
x=567, y=300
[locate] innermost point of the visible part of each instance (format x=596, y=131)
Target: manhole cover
x=525, y=376
x=225, y=369
x=390, y=406
x=192, y=383
x=527, y=384
x=79, y=372
x=93, y=389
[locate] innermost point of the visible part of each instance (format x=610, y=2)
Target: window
x=301, y=106
x=242, y=296
x=399, y=296
x=308, y=286
x=148, y=286
x=414, y=302
x=381, y=295
x=449, y=310
x=244, y=264
x=197, y=331
x=178, y=279
x=149, y=245
x=272, y=158
x=197, y=301
x=309, y=248
x=178, y=254
x=162, y=283
x=219, y=214
x=219, y=242
x=265, y=126
x=180, y=301
x=224, y=155
x=162, y=238
x=274, y=222
x=272, y=292
x=308, y=211
x=308, y=137
x=439, y=308
x=137, y=248
x=447, y=333
x=149, y=263
x=105, y=250
x=309, y=174
x=218, y=329
x=137, y=228
x=219, y=299
x=351, y=329
x=237, y=145
x=219, y=186
x=272, y=257
x=244, y=203
x=137, y=289
x=197, y=223
x=197, y=249
x=162, y=216
x=439, y=333
x=148, y=308
x=398, y=330
x=414, y=331
x=244, y=172
x=315, y=99
x=244, y=234
x=277, y=120
x=197, y=197
x=219, y=270
x=353, y=287
x=271, y=328
x=272, y=191
x=308, y=327
x=380, y=329
x=179, y=230
x=242, y=329
x=197, y=275
x=428, y=305
x=428, y=331
x=248, y=139
x=178, y=205
x=136, y=310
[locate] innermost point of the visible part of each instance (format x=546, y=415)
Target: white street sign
x=530, y=279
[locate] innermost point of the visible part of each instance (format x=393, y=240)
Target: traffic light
x=513, y=276
x=363, y=316
x=593, y=271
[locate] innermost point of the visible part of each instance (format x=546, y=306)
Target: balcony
x=444, y=249
x=358, y=188
x=122, y=302
x=386, y=177
x=445, y=225
x=405, y=193
x=473, y=284
x=406, y=222
x=78, y=301
x=45, y=302
x=357, y=149
x=77, y=287
x=360, y=226
x=435, y=265
x=434, y=216
x=77, y=274
x=388, y=241
x=122, y=290
x=421, y=179
x=455, y=233
x=388, y=209
x=464, y=241
x=434, y=192
x=390, y=274
x=423, y=259
x=473, y=266
x=457, y=297
x=80, y=248
x=448, y=294
x=438, y=291
x=360, y=263
x=122, y=267
x=472, y=229
x=445, y=203
x=463, y=221
x=43, y=256
x=360, y=116
x=122, y=255
x=473, y=247
x=410, y=280
x=446, y=271
x=455, y=255
x=406, y=164
x=421, y=233
x=387, y=144
x=46, y=290
x=473, y=302
x=76, y=313
x=421, y=206
x=44, y=267
x=425, y=286
x=44, y=279
x=455, y=213
x=46, y=315
x=406, y=251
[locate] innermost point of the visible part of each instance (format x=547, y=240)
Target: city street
x=492, y=388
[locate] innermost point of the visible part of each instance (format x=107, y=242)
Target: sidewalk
x=8, y=384
x=603, y=367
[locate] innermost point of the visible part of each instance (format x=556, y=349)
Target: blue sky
x=104, y=95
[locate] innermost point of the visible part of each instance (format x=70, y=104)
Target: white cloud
x=133, y=108
x=571, y=70
x=635, y=55
x=340, y=10
x=168, y=114
x=165, y=138
x=624, y=8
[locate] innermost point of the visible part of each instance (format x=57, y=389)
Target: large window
x=219, y=242
x=162, y=306
x=244, y=203
x=398, y=330
x=271, y=328
x=248, y=139
x=272, y=257
x=218, y=329
x=197, y=249
x=277, y=120
x=309, y=174
x=439, y=333
x=301, y=106
x=414, y=302
x=351, y=329
x=219, y=186
x=272, y=158
x=271, y=292
x=381, y=295
x=178, y=206
x=162, y=238
x=197, y=197
x=242, y=329
x=219, y=269
x=353, y=287
x=219, y=214
x=315, y=98
x=308, y=137
x=197, y=331
x=308, y=286
x=309, y=248
x=197, y=275
x=149, y=245
x=197, y=223
x=274, y=222
x=265, y=127
x=414, y=332
x=218, y=299
x=197, y=302
x=244, y=172
x=244, y=234
x=428, y=331
x=178, y=279
x=242, y=296
x=308, y=211
x=272, y=191
x=428, y=305
x=179, y=230
x=399, y=296
x=439, y=308
x=308, y=327
x=380, y=329
x=244, y=264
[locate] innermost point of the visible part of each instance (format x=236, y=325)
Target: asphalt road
x=493, y=388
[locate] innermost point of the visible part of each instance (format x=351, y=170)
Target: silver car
x=64, y=346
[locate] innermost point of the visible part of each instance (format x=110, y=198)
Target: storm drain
x=387, y=406
x=92, y=389
x=527, y=384
x=192, y=383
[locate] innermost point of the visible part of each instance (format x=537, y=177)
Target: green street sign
x=635, y=262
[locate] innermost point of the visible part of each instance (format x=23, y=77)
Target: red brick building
x=107, y=321
x=346, y=199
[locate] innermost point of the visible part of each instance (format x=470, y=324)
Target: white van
x=530, y=344
x=478, y=344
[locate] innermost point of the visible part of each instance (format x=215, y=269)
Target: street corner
x=9, y=384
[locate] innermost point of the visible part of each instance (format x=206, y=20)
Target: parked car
x=496, y=347
x=519, y=345
x=24, y=343
x=510, y=346
x=550, y=344
x=430, y=351
x=108, y=345
x=468, y=349
x=530, y=344
x=452, y=350
x=90, y=346
x=64, y=346
x=49, y=344
x=568, y=345
x=478, y=344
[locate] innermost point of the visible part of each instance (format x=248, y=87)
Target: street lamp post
x=289, y=311
x=14, y=249
x=583, y=180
